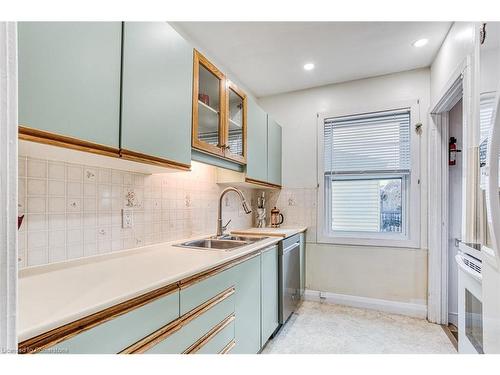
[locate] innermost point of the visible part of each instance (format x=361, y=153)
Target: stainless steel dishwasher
x=289, y=277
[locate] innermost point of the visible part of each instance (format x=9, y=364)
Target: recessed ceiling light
x=420, y=42
x=309, y=66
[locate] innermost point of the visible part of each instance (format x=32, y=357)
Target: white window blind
x=486, y=110
x=356, y=205
x=374, y=142
x=367, y=162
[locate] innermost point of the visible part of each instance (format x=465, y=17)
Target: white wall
x=375, y=272
x=458, y=44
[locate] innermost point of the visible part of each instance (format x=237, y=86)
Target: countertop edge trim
x=161, y=334
x=191, y=280
x=66, y=331
x=56, y=335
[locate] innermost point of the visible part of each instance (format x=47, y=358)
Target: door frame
x=8, y=187
x=462, y=85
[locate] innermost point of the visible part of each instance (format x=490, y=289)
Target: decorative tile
x=74, y=205
x=89, y=175
x=75, y=210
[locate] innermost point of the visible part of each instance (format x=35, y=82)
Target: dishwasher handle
x=291, y=247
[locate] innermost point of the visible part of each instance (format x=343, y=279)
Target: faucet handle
x=224, y=227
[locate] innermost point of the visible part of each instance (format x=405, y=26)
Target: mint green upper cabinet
x=269, y=293
x=69, y=79
x=247, y=307
x=273, y=151
x=257, y=142
x=157, y=91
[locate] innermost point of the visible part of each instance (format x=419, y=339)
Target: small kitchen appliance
x=276, y=218
x=261, y=211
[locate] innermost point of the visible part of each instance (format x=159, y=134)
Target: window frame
x=409, y=237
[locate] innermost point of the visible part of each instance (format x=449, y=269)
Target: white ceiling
x=268, y=57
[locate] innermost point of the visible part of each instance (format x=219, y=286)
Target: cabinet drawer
x=219, y=340
x=198, y=325
x=201, y=291
x=119, y=333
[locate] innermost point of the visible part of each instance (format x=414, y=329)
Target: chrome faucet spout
x=221, y=228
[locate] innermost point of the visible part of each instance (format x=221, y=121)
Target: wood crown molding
x=53, y=139
x=148, y=159
x=168, y=330
x=262, y=183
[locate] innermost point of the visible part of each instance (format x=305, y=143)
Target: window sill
x=373, y=241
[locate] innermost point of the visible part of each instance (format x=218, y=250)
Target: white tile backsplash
x=74, y=211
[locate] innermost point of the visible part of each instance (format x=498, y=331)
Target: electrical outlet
x=127, y=218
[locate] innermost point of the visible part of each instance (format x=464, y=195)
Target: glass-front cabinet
x=219, y=113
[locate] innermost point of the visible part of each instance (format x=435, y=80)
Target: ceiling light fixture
x=309, y=66
x=420, y=42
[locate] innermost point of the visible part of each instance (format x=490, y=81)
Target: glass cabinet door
x=209, y=106
x=235, y=134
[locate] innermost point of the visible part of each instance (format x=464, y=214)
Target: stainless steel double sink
x=227, y=242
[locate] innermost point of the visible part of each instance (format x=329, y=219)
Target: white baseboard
x=416, y=310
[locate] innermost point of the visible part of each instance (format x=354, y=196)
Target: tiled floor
x=325, y=328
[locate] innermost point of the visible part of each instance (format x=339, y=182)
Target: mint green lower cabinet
x=256, y=142
x=302, y=264
x=219, y=341
x=157, y=91
x=200, y=292
x=195, y=329
x=269, y=293
x=247, y=309
x=273, y=151
x=69, y=79
x=119, y=333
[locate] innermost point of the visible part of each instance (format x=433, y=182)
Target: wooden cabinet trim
x=199, y=59
x=148, y=159
x=262, y=183
x=228, y=347
x=227, y=153
x=53, y=139
x=210, y=335
x=69, y=330
x=189, y=281
x=156, y=337
x=64, y=332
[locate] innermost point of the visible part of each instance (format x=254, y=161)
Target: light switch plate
x=127, y=218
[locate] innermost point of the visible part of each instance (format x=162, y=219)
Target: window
x=366, y=171
x=486, y=110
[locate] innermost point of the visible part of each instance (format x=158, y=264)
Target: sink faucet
x=221, y=228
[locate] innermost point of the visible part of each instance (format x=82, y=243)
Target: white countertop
x=283, y=232
x=59, y=293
